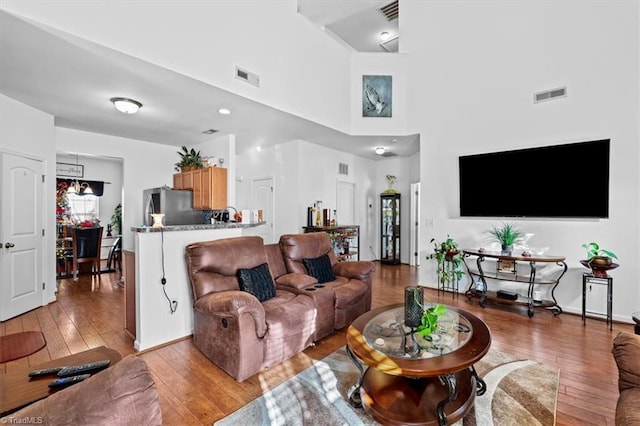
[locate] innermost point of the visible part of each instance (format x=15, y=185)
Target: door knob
x=9, y=245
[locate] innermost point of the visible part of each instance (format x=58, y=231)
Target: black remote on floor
x=82, y=368
x=45, y=371
x=65, y=381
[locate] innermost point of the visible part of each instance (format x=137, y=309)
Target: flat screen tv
x=559, y=181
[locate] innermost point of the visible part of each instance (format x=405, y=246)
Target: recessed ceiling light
x=384, y=36
x=380, y=150
x=126, y=105
x=224, y=111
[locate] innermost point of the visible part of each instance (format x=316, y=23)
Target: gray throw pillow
x=257, y=281
x=320, y=268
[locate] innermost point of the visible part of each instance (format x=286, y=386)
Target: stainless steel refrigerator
x=176, y=205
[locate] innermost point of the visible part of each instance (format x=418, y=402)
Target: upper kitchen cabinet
x=209, y=187
x=213, y=189
x=184, y=180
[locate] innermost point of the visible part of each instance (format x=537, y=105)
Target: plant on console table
x=599, y=260
x=447, y=255
x=507, y=234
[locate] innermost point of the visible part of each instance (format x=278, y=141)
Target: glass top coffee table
x=408, y=379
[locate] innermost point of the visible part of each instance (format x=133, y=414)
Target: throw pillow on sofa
x=320, y=268
x=257, y=281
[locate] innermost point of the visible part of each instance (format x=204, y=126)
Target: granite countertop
x=196, y=227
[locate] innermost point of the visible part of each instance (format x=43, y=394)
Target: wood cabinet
x=185, y=180
x=209, y=187
x=390, y=228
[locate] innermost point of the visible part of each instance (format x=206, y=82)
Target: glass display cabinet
x=390, y=230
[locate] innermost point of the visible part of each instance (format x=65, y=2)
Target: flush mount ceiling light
x=384, y=36
x=126, y=105
x=380, y=150
x=224, y=111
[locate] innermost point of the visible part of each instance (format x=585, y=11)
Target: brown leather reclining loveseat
x=256, y=305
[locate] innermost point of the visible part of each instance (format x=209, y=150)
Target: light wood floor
x=194, y=391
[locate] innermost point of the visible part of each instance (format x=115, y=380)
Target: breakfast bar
x=162, y=302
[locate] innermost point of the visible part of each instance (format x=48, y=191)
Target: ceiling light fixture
x=224, y=111
x=126, y=105
x=380, y=150
x=384, y=36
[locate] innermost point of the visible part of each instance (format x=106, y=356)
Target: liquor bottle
x=333, y=219
x=313, y=214
x=319, y=214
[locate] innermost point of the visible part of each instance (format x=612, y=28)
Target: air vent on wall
x=343, y=169
x=390, y=11
x=247, y=76
x=549, y=95
x=209, y=131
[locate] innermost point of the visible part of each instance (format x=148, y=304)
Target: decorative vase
x=507, y=248
x=413, y=305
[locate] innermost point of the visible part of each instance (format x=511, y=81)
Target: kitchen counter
x=163, y=296
x=196, y=227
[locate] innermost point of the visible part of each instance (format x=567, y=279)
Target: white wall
x=29, y=132
x=474, y=69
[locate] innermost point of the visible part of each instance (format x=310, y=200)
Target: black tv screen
x=559, y=181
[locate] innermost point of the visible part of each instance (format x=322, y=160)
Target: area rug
x=18, y=345
x=519, y=392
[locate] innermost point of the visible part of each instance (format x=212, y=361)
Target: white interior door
x=346, y=203
x=21, y=239
x=262, y=199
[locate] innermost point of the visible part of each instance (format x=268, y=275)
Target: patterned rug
x=519, y=392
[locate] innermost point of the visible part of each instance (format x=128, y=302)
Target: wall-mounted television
x=559, y=181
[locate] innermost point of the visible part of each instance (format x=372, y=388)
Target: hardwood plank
x=194, y=391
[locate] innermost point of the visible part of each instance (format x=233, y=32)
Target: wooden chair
x=85, y=248
x=114, y=261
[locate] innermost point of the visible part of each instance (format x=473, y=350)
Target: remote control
x=65, y=381
x=45, y=371
x=82, y=368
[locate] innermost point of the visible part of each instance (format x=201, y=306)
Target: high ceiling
x=58, y=73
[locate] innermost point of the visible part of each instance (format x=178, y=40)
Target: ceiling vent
x=247, y=76
x=343, y=169
x=390, y=11
x=209, y=132
x=549, y=95
x=388, y=154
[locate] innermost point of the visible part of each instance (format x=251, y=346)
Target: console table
x=509, y=267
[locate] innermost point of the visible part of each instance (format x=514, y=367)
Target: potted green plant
x=116, y=219
x=447, y=255
x=597, y=255
x=190, y=159
x=507, y=234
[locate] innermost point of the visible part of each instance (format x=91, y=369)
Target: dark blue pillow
x=257, y=281
x=320, y=268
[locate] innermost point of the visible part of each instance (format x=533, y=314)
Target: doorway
x=22, y=260
x=262, y=199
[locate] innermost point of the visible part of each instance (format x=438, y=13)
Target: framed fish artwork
x=376, y=96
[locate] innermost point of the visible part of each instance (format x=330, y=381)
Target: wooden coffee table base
x=399, y=400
